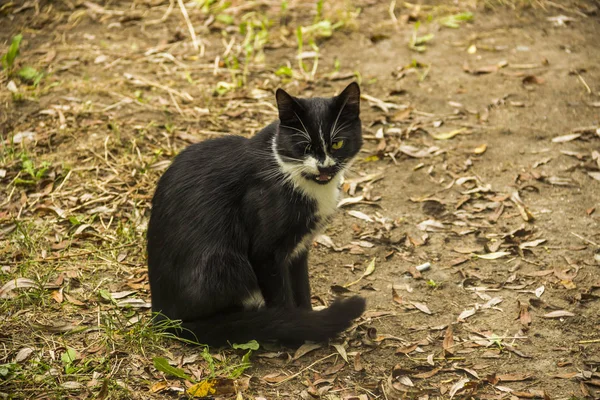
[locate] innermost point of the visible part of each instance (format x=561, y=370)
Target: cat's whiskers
x=303, y=132
x=331, y=133
x=338, y=130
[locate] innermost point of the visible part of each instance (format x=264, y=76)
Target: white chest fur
x=326, y=199
x=325, y=196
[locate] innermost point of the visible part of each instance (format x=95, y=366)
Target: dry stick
x=183, y=95
x=584, y=82
x=585, y=240
x=190, y=26
x=164, y=17
x=303, y=369
x=83, y=253
x=589, y=341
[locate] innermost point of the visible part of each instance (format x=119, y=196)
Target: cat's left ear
x=349, y=99
x=285, y=105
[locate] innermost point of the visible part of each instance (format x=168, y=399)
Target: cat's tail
x=290, y=326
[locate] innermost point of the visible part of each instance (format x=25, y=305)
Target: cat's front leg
x=299, y=281
x=275, y=282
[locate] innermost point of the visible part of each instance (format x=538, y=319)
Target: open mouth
x=321, y=178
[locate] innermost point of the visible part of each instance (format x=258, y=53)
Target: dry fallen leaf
x=305, y=349
x=480, y=149
x=493, y=256
x=23, y=354
x=396, y=297
x=513, y=377
x=524, y=316
x=566, y=138
x=559, y=314
x=342, y=350
x=368, y=271
x=448, y=342
x=275, y=377
x=448, y=135
x=421, y=307
x=360, y=215
x=18, y=283
x=466, y=314
x=458, y=386
x=407, y=349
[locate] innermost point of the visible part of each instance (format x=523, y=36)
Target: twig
x=585, y=240
x=584, y=82
x=83, y=253
x=185, y=96
x=589, y=341
x=165, y=16
x=190, y=26
x=303, y=369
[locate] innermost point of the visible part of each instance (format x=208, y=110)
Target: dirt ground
x=471, y=219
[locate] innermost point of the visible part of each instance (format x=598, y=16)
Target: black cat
x=233, y=218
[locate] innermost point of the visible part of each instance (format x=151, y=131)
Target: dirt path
x=481, y=166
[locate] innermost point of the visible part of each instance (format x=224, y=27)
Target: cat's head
x=318, y=137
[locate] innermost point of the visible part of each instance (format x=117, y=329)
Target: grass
x=75, y=201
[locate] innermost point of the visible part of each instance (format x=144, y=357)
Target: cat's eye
x=338, y=144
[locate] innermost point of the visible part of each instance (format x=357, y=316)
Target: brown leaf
x=334, y=369
x=407, y=349
x=275, y=377
x=421, y=307
x=305, y=349
x=414, y=272
x=532, y=79
x=427, y=374
x=567, y=375
x=514, y=377
x=57, y=295
x=159, y=386
x=396, y=297
x=357, y=363
x=515, y=351
x=532, y=394
x=448, y=342
x=524, y=316
x=559, y=314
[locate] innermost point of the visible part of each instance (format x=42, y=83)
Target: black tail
x=289, y=326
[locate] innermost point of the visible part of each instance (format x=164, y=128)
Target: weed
x=31, y=75
x=9, y=58
x=454, y=21
x=417, y=43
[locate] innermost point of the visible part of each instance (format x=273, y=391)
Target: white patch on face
x=254, y=300
x=328, y=161
x=311, y=165
x=325, y=195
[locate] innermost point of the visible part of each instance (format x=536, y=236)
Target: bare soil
x=461, y=169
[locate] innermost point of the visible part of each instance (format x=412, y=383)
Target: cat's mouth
x=322, y=178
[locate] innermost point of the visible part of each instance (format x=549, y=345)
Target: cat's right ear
x=285, y=105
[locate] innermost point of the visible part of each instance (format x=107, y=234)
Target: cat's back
x=204, y=172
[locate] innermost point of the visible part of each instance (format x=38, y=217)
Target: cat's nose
x=326, y=170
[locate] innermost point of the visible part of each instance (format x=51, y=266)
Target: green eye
x=338, y=144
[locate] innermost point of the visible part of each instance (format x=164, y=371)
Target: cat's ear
x=286, y=105
x=349, y=99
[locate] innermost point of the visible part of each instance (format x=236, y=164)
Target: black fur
x=225, y=222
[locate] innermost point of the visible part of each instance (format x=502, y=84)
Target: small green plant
x=27, y=74
x=35, y=173
x=454, y=21
x=68, y=359
x=31, y=75
x=8, y=59
x=417, y=43
x=432, y=284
